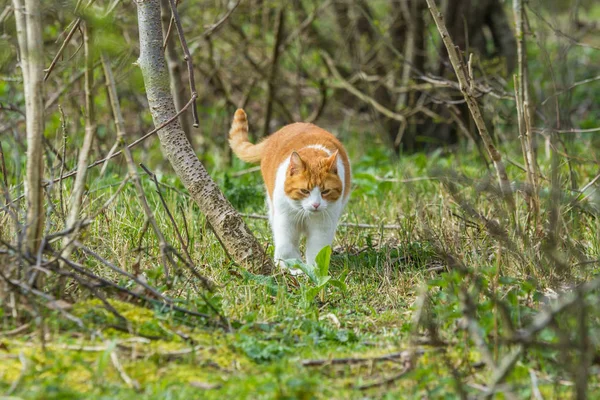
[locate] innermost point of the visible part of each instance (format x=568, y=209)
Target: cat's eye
x=305, y=191
x=325, y=192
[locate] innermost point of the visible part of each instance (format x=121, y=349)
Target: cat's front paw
x=286, y=268
x=295, y=271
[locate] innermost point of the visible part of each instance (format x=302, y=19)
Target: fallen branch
x=397, y=356
x=346, y=224
x=132, y=383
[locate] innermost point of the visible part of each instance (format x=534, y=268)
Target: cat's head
x=312, y=180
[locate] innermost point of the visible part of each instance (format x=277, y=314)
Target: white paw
x=295, y=271
x=292, y=271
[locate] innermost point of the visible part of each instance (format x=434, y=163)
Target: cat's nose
x=316, y=205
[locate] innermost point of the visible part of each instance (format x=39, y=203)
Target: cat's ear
x=296, y=163
x=331, y=163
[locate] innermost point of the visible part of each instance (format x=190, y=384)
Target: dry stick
x=170, y=26
x=356, y=92
x=581, y=371
x=188, y=59
x=120, y=126
x=463, y=79
x=574, y=85
x=273, y=71
x=523, y=109
x=386, y=381
x=132, y=383
x=305, y=24
x=63, y=127
x=346, y=224
x=162, y=299
x=468, y=310
x=321, y=107
x=217, y=25
x=206, y=282
x=62, y=48
x=25, y=289
x=90, y=131
x=76, y=26
x=122, y=272
x=246, y=171
x=400, y=355
x=505, y=367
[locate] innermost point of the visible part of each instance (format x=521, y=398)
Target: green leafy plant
x=318, y=276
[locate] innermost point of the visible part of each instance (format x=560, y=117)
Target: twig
x=63, y=126
x=246, y=171
x=90, y=131
x=206, y=282
x=26, y=289
x=217, y=25
x=574, y=85
x=12, y=107
x=162, y=299
x=74, y=28
x=570, y=130
x=16, y=331
x=188, y=59
x=346, y=224
x=463, y=79
x=400, y=355
x=504, y=368
x=132, y=383
x=468, y=311
x=385, y=381
x=359, y=94
x=407, y=180
x=273, y=71
x=321, y=107
x=17, y=382
x=124, y=273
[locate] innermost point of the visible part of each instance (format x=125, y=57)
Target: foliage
x=319, y=276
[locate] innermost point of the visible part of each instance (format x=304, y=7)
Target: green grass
x=274, y=328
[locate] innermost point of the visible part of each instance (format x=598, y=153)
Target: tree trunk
x=175, y=71
x=226, y=223
x=29, y=32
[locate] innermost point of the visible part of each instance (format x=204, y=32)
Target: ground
x=278, y=324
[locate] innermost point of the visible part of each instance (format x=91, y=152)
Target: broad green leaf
x=322, y=261
x=323, y=280
x=339, y=284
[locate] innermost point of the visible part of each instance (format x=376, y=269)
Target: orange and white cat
x=307, y=176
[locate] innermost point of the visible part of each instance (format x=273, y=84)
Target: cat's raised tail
x=238, y=139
